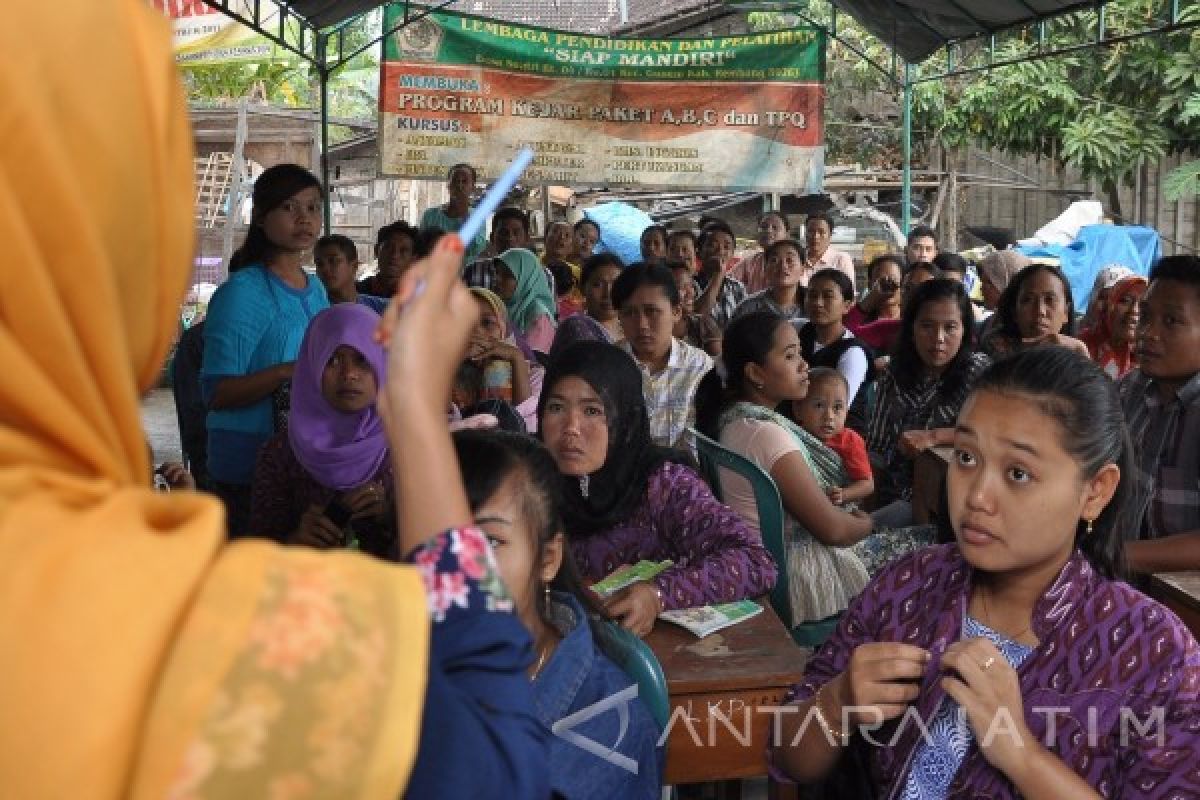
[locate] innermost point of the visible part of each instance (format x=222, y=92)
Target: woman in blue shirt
x=256, y=321
x=460, y=182
x=512, y=486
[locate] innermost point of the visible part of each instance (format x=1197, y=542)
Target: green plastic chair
x=767, y=499
x=638, y=661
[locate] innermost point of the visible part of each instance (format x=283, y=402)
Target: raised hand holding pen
x=425, y=330
x=425, y=334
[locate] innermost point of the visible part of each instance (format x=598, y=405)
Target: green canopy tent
x=964, y=32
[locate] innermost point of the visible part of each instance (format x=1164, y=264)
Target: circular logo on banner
x=420, y=40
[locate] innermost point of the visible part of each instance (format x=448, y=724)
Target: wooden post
x=952, y=220
x=937, y=203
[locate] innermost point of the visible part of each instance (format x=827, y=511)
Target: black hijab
x=613, y=491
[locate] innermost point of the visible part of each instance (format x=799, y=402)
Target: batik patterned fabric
x=950, y=735
x=296, y=714
x=885, y=545
x=718, y=558
x=1103, y=647
x=283, y=490
x=460, y=572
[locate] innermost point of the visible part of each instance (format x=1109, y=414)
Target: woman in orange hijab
x=142, y=657
x=1110, y=342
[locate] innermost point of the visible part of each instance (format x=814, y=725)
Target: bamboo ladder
x=214, y=174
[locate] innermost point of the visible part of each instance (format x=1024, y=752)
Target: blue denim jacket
x=576, y=677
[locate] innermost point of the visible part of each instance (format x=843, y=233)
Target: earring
x=1089, y=527
x=546, y=594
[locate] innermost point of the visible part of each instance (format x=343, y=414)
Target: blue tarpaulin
x=1098, y=246
x=621, y=227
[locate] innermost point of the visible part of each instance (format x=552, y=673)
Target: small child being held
x=822, y=413
x=468, y=385
x=472, y=405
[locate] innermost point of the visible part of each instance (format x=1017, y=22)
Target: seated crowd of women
x=613, y=394
x=907, y=352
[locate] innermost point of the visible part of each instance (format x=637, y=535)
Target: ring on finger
x=988, y=664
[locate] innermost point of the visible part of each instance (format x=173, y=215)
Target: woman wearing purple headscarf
x=327, y=481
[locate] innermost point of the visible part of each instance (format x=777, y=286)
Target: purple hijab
x=341, y=451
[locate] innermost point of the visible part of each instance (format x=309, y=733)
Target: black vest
x=829, y=356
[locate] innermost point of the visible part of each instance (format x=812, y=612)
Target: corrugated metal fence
x=1024, y=193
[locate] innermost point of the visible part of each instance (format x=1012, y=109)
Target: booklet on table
x=709, y=619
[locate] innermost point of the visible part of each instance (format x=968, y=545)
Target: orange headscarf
x=138, y=655
x=1116, y=362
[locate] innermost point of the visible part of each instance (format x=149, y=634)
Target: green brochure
x=641, y=571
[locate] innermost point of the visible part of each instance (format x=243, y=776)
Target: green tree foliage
x=353, y=89
x=1103, y=111
x=852, y=134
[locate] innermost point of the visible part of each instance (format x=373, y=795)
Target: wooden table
x=727, y=674
x=1180, y=592
x=929, y=475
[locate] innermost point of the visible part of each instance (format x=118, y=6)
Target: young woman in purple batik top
x=626, y=499
x=1013, y=662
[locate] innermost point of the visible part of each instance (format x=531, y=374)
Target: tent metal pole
x=891, y=76
x=323, y=76
x=408, y=20
x=906, y=179
x=1062, y=51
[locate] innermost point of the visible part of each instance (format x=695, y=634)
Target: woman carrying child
x=697, y=330
x=1012, y=662
x=752, y=270
x=764, y=369
x=598, y=322
x=825, y=341
x=653, y=244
